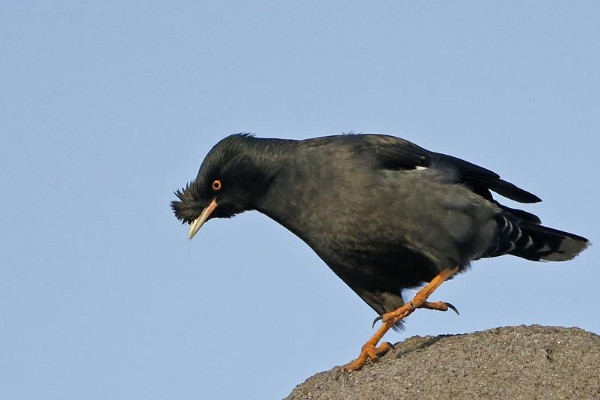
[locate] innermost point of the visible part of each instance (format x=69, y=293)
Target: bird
x=385, y=214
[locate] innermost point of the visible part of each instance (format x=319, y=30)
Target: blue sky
x=107, y=107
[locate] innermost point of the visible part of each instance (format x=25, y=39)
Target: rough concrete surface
x=523, y=362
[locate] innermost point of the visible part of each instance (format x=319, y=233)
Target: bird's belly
x=394, y=267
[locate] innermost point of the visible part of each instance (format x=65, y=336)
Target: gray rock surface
x=523, y=362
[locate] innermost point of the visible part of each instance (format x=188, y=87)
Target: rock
x=523, y=362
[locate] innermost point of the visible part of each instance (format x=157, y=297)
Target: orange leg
x=370, y=350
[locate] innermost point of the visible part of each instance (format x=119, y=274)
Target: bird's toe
x=368, y=352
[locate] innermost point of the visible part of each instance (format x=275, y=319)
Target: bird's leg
x=370, y=350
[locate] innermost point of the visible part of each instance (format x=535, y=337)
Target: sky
x=107, y=107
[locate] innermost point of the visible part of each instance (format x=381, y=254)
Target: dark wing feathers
x=396, y=153
x=523, y=215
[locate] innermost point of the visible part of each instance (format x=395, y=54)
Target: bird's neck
x=288, y=199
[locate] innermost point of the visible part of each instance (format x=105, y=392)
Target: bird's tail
x=526, y=238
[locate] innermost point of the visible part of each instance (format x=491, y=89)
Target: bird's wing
x=395, y=153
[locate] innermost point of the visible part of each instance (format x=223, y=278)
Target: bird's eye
x=217, y=185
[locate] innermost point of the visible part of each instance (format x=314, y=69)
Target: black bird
x=383, y=213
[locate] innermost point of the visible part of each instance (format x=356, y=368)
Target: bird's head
x=231, y=180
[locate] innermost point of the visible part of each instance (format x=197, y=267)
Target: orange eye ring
x=217, y=185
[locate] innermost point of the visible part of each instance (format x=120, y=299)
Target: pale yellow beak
x=196, y=224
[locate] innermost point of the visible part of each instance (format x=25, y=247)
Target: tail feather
x=532, y=241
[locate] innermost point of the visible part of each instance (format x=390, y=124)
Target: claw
x=375, y=321
x=450, y=306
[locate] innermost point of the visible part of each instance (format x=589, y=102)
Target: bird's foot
x=412, y=305
x=438, y=305
x=368, y=352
